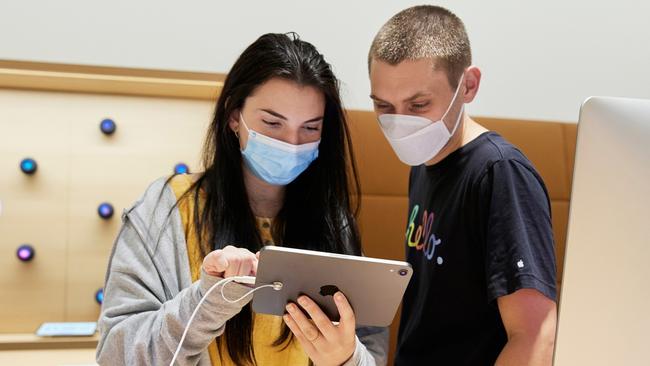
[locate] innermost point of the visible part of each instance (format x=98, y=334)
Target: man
x=479, y=233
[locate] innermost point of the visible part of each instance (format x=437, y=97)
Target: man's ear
x=233, y=121
x=472, y=82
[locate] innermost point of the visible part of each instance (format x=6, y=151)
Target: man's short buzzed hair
x=424, y=31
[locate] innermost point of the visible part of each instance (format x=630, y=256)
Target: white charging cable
x=250, y=280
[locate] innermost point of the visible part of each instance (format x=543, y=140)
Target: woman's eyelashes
x=271, y=123
x=311, y=127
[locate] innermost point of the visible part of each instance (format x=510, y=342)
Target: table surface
x=30, y=341
x=56, y=357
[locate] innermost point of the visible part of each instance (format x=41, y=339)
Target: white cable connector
x=248, y=280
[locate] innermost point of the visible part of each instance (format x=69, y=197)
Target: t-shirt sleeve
x=519, y=250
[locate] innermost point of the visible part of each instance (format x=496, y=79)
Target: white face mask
x=416, y=139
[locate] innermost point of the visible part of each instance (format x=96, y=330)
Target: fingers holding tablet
x=230, y=261
x=320, y=337
x=308, y=328
x=320, y=320
x=347, y=323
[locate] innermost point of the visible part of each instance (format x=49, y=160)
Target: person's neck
x=467, y=131
x=265, y=199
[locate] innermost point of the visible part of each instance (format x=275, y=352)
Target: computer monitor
x=604, y=311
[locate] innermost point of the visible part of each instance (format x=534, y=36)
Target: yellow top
x=266, y=328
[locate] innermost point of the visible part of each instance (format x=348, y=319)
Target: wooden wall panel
x=544, y=145
x=383, y=225
x=560, y=217
x=571, y=137
x=33, y=212
x=79, y=168
x=380, y=171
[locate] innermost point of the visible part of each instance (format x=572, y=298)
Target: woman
x=276, y=161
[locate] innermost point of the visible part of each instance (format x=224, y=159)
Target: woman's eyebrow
x=315, y=119
x=276, y=114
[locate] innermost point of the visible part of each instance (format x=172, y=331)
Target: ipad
x=374, y=287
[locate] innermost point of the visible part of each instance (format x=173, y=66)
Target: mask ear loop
x=453, y=100
x=460, y=114
x=241, y=119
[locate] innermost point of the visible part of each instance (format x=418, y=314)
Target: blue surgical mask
x=274, y=161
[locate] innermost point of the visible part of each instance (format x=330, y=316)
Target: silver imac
x=604, y=311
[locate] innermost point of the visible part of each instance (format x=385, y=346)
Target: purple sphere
x=105, y=210
x=25, y=252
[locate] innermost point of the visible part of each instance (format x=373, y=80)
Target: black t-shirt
x=479, y=227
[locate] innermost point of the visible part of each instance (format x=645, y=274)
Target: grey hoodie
x=149, y=296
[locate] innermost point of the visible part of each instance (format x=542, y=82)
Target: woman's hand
x=230, y=261
x=324, y=342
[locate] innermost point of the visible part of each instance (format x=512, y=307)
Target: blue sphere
x=181, y=168
x=105, y=210
x=25, y=252
x=108, y=126
x=28, y=166
x=99, y=296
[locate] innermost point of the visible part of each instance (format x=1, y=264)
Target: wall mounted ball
x=99, y=296
x=105, y=210
x=25, y=252
x=107, y=126
x=181, y=168
x=28, y=166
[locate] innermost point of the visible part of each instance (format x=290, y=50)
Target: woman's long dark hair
x=319, y=207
